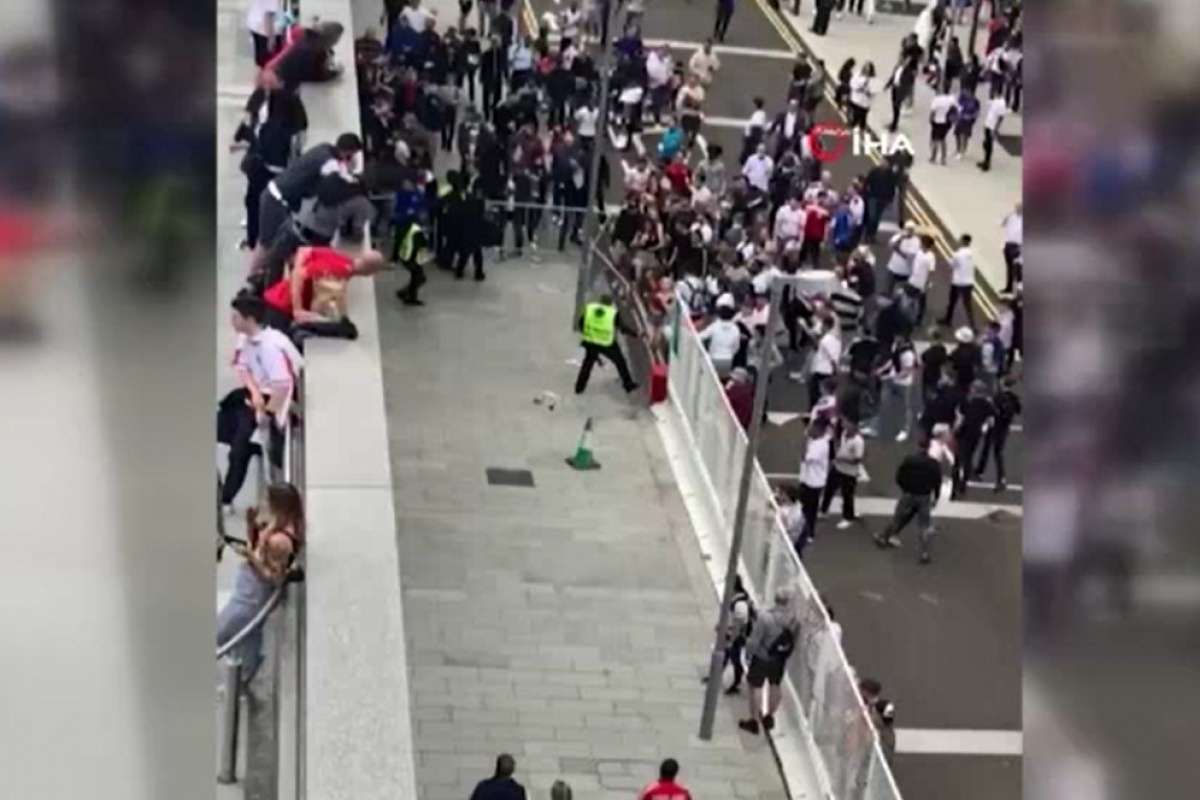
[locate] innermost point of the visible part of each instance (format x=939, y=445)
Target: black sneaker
x=749, y=726
x=479, y=276
x=412, y=301
x=735, y=689
x=769, y=722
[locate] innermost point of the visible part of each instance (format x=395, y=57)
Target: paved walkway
x=966, y=199
x=566, y=622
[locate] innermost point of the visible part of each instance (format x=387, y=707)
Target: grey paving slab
x=568, y=622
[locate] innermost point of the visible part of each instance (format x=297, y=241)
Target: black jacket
x=498, y=789
x=919, y=474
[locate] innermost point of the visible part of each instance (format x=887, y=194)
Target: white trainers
x=841, y=526
x=902, y=436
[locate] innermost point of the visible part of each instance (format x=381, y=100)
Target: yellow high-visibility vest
x=407, y=244
x=599, y=324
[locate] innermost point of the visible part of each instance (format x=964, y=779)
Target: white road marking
x=781, y=418
x=952, y=741
x=781, y=54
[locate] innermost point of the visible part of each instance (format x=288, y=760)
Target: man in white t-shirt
x=758, y=168
x=704, y=63
x=941, y=114
x=1014, y=233
x=585, y=124
x=905, y=245
x=962, y=281
x=814, y=475
x=897, y=376
x=923, y=264
x=722, y=336
x=825, y=359
x=997, y=109
x=789, y=222
x=658, y=80
x=265, y=20
x=843, y=478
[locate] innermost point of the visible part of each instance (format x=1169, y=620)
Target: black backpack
x=783, y=645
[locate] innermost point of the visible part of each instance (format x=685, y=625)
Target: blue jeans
x=250, y=593
x=892, y=400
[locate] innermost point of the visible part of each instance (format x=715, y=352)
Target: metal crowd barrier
x=823, y=686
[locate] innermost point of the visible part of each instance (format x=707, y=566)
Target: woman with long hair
x=273, y=541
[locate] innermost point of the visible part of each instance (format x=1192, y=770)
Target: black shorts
x=939, y=130
x=761, y=671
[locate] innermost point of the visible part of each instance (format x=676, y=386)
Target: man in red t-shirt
x=679, y=175
x=816, y=220
x=290, y=301
x=665, y=788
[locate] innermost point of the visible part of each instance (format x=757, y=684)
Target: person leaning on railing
x=273, y=541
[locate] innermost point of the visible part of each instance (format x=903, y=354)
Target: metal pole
x=717, y=664
x=590, y=216
x=231, y=673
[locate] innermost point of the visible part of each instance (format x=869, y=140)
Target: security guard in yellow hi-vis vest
x=408, y=253
x=599, y=324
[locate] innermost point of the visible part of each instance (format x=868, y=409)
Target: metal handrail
x=276, y=596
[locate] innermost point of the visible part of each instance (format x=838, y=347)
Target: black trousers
x=235, y=427
x=473, y=252
x=993, y=444
x=899, y=95
x=733, y=655
x=592, y=354
x=491, y=95
x=1012, y=266
x=262, y=49
x=332, y=329
x=957, y=294
x=815, y=379
x=989, y=143
x=724, y=15
x=469, y=78
x=821, y=23
x=968, y=442
x=256, y=183
x=845, y=485
x=810, y=503
x=416, y=278
x=810, y=251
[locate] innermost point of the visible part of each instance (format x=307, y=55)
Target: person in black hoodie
x=467, y=59
x=919, y=478
x=471, y=235
x=273, y=120
x=1007, y=405
x=560, y=85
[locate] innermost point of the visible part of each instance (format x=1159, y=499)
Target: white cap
x=726, y=301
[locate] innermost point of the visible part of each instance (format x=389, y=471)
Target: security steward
x=412, y=242
x=599, y=325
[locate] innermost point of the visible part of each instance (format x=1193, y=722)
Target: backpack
x=783, y=645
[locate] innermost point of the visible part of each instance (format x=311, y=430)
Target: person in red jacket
x=665, y=788
x=679, y=175
x=816, y=221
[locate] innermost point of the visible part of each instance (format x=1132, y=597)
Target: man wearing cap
x=723, y=337
x=966, y=358
x=599, y=324
x=771, y=643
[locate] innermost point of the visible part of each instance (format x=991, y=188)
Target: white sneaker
x=243, y=222
x=902, y=436
x=841, y=526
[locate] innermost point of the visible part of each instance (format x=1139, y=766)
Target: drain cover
x=498, y=476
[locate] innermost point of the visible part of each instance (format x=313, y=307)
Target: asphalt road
x=945, y=639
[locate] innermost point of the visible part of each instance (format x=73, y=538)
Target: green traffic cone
x=583, y=458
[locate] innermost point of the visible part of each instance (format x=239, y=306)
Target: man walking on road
x=771, y=644
x=962, y=282
x=599, y=324
x=724, y=15
x=920, y=479
x=1014, y=228
x=996, y=111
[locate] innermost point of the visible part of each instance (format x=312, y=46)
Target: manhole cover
x=497, y=476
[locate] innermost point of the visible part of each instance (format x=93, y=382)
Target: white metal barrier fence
x=843, y=737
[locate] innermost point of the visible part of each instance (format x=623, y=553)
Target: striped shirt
x=848, y=306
